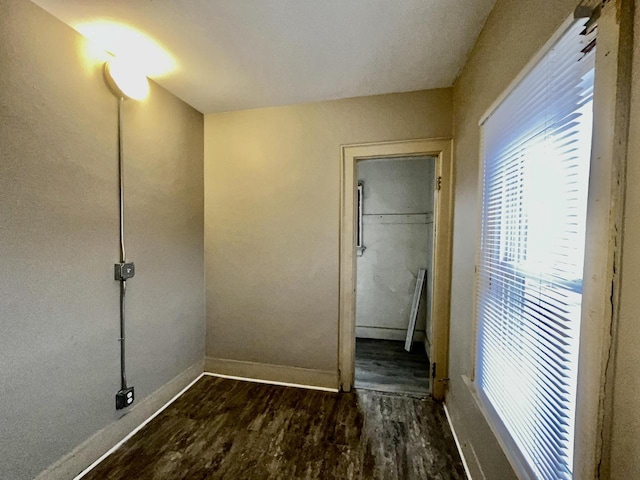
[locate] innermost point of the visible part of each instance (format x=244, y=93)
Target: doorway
x=394, y=250
x=440, y=150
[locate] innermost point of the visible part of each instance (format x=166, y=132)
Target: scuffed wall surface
x=272, y=216
x=398, y=236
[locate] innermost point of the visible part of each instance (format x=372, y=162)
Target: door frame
x=442, y=150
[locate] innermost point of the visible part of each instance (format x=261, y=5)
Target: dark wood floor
x=385, y=366
x=227, y=429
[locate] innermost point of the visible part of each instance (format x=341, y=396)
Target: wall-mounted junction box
x=124, y=271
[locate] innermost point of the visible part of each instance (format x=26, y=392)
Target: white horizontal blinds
x=537, y=151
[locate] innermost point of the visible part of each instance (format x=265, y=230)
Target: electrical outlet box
x=124, y=398
x=124, y=271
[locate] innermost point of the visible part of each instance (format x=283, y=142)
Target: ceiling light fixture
x=127, y=43
x=125, y=79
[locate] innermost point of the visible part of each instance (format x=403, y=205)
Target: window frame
x=509, y=445
x=605, y=208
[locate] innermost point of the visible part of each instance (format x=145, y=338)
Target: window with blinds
x=536, y=146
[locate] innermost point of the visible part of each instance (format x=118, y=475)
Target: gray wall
x=513, y=33
x=59, y=354
x=398, y=236
x=272, y=216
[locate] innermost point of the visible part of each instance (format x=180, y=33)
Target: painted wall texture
x=398, y=236
x=272, y=196
x=59, y=313
x=625, y=432
x=513, y=33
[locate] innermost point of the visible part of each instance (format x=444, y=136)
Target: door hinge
x=439, y=183
x=433, y=374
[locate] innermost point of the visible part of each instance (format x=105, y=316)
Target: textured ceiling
x=240, y=54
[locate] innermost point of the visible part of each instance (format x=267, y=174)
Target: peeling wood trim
x=605, y=212
x=624, y=17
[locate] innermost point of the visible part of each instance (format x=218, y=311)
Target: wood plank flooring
x=385, y=366
x=227, y=429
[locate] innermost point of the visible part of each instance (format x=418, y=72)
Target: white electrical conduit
x=123, y=282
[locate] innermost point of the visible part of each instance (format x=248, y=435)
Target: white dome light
x=126, y=80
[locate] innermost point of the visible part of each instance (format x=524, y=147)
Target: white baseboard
x=458, y=446
x=97, y=447
x=272, y=374
x=381, y=333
